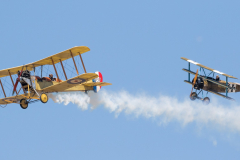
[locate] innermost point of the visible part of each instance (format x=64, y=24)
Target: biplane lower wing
x=91, y=84
x=16, y=99
x=62, y=86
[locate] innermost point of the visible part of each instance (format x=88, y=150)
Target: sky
x=137, y=46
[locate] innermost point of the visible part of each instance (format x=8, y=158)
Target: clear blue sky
x=137, y=46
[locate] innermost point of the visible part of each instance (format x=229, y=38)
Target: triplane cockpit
x=36, y=87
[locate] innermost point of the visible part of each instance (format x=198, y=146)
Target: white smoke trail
x=80, y=99
x=165, y=109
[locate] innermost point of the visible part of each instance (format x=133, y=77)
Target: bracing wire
x=3, y=106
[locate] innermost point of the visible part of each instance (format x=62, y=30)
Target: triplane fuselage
x=37, y=88
x=207, y=82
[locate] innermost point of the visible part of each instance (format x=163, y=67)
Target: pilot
x=217, y=78
x=51, y=77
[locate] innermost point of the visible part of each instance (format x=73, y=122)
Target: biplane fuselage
x=40, y=85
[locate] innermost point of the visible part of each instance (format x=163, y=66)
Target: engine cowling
x=199, y=83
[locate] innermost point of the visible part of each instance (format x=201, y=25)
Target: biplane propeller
x=37, y=88
x=208, y=83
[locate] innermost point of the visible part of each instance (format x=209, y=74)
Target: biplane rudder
x=98, y=79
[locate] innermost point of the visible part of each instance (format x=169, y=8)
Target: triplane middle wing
x=209, y=83
x=38, y=87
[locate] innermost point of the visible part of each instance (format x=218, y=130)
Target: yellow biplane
x=35, y=87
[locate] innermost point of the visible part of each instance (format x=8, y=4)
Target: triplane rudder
x=36, y=87
x=204, y=81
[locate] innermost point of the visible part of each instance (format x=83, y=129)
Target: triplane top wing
x=37, y=88
x=209, y=83
x=200, y=65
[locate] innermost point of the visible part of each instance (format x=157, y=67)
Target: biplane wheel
x=43, y=98
x=23, y=103
x=206, y=100
x=193, y=96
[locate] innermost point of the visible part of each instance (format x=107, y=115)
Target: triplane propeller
x=208, y=83
x=37, y=88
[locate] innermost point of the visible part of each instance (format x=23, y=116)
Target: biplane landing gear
x=43, y=98
x=206, y=100
x=193, y=96
x=23, y=103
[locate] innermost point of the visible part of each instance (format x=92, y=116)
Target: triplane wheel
x=43, y=98
x=23, y=103
x=193, y=96
x=206, y=100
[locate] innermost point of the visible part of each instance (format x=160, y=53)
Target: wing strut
x=3, y=88
x=41, y=70
x=55, y=69
x=226, y=85
x=63, y=69
x=82, y=62
x=11, y=79
x=189, y=70
x=74, y=62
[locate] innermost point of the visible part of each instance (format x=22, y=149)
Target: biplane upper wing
x=216, y=71
x=62, y=86
x=17, y=98
x=56, y=58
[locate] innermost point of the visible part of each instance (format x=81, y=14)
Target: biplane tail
x=98, y=79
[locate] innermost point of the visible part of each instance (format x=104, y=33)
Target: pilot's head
x=217, y=78
x=50, y=75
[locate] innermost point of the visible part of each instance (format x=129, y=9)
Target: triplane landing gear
x=206, y=100
x=194, y=96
